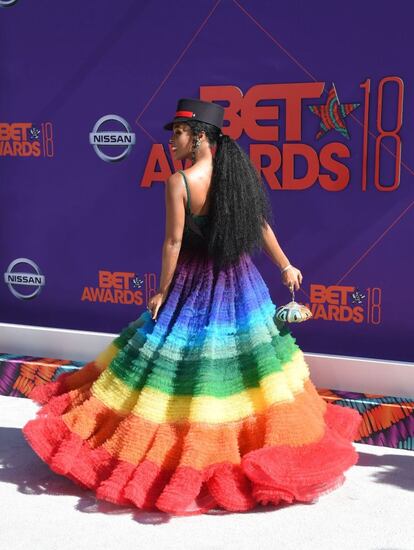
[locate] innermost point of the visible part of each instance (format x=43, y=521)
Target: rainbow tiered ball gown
x=209, y=406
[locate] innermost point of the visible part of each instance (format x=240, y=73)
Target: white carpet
x=373, y=510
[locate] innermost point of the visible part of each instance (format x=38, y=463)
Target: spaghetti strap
x=188, y=207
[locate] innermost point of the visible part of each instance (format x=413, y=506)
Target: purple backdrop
x=81, y=233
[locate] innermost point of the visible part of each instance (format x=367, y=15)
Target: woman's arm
x=272, y=248
x=174, y=227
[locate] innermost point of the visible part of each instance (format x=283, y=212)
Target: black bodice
x=196, y=227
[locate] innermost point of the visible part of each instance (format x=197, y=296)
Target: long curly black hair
x=239, y=205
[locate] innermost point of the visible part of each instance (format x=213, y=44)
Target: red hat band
x=184, y=113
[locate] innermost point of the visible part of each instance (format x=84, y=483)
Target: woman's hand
x=292, y=278
x=155, y=302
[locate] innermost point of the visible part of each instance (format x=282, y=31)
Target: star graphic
x=332, y=114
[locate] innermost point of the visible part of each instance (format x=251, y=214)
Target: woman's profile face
x=181, y=140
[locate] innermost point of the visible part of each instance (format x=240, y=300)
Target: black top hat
x=196, y=109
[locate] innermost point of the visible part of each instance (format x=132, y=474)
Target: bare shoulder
x=174, y=187
x=197, y=175
x=175, y=180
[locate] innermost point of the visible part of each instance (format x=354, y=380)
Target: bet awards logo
x=16, y=279
x=301, y=139
x=24, y=139
x=119, y=287
x=109, y=139
x=346, y=304
x=7, y=3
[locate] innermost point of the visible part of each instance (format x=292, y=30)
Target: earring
x=196, y=145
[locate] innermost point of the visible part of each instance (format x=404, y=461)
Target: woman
x=203, y=401
x=236, y=220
